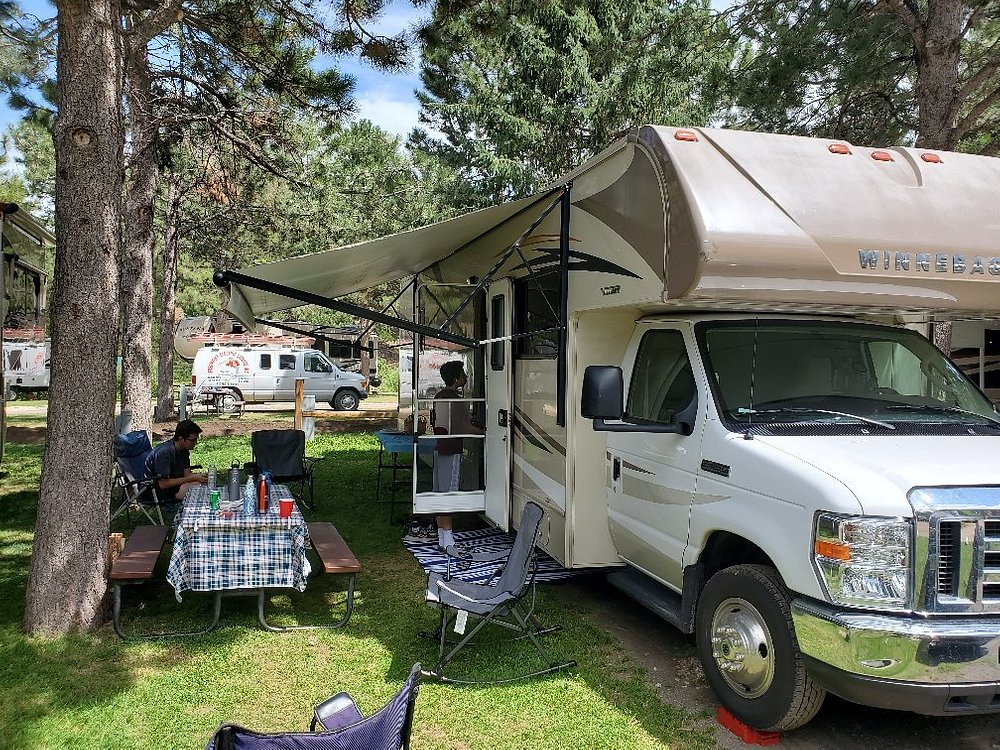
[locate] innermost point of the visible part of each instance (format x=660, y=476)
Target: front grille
x=948, y=558
x=957, y=552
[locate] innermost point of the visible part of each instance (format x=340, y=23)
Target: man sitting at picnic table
x=171, y=462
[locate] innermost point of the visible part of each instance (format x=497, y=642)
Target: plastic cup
x=285, y=507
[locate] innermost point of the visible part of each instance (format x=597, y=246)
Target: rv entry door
x=498, y=402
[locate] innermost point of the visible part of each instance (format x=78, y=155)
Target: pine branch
x=972, y=117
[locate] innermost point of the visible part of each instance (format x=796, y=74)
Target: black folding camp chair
x=283, y=453
x=133, y=491
x=507, y=600
x=341, y=726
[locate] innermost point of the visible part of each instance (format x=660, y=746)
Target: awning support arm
x=483, y=282
x=221, y=278
x=561, y=367
x=390, y=306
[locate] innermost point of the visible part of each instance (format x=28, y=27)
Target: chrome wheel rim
x=742, y=648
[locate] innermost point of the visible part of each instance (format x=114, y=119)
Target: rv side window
x=662, y=383
x=496, y=331
x=536, y=312
x=265, y=361
x=286, y=361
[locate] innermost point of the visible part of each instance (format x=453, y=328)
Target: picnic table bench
x=336, y=557
x=135, y=564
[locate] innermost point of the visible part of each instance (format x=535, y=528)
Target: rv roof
x=723, y=216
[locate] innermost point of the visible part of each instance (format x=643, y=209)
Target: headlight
x=863, y=561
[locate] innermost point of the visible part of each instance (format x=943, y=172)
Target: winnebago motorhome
x=228, y=376
x=696, y=353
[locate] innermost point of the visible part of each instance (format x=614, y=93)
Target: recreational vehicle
x=25, y=367
x=23, y=245
x=697, y=353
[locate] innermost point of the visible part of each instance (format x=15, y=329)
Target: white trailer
x=693, y=353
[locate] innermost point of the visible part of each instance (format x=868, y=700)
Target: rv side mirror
x=603, y=389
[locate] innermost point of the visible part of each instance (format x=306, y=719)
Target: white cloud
x=389, y=112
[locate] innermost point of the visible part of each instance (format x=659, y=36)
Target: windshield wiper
x=946, y=409
x=807, y=410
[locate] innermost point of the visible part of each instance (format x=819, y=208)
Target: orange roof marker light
x=839, y=148
x=930, y=157
x=686, y=135
x=882, y=156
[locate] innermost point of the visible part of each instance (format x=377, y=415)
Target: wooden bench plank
x=137, y=560
x=333, y=551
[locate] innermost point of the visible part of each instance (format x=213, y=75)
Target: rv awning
x=334, y=273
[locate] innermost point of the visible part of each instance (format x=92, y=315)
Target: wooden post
x=299, y=386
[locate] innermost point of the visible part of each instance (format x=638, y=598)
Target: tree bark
x=68, y=571
x=168, y=302
x=137, y=255
x=938, y=92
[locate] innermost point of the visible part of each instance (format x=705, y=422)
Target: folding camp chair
x=504, y=600
x=341, y=725
x=283, y=453
x=135, y=491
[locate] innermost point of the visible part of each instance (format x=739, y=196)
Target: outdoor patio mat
x=433, y=560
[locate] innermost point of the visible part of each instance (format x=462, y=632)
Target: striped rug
x=433, y=560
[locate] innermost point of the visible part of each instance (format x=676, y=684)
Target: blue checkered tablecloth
x=225, y=549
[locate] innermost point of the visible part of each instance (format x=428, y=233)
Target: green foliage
x=98, y=691
x=524, y=91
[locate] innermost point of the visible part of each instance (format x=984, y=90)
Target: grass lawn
x=96, y=691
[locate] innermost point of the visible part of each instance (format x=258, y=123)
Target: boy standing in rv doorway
x=448, y=418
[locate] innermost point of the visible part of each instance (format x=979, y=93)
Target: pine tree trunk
x=168, y=302
x=137, y=256
x=67, y=578
x=938, y=45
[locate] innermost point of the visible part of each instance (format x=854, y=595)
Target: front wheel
x=345, y=400
x=748, y=649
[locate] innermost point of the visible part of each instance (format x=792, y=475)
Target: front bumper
x=936, y=666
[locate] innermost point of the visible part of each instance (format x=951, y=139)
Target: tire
x=227, y=403
x=747, y=647
x=345, y=400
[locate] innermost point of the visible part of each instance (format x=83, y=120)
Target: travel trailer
x=227, y=376
x=23, y=285
x=25, y=367
x=697, y=353
x=340, y=344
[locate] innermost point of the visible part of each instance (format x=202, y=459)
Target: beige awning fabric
x=334, y=273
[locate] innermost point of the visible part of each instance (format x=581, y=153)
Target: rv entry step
x=653, y=595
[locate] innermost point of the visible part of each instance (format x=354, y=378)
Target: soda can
x=213, y=499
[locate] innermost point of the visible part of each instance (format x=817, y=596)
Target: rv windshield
x=874, y=377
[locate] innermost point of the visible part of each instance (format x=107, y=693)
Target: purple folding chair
x=341, y=726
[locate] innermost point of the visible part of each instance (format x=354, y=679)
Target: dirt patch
x=354, y=422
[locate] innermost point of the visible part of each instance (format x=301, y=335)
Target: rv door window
x=286, y=361
x=662, y=382
x=265, y=361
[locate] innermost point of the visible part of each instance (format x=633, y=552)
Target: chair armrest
x=311, y=460
x=335, y=712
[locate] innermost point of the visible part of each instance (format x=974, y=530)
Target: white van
x=228, y=376
x=700, y=362
x=25, y=367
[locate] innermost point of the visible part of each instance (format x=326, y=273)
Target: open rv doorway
x=448, y=465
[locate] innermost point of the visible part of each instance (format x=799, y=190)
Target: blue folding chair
x=341, y=726
x=135, y=490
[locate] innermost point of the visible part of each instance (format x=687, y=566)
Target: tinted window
x=286, y=361
x=265, y=361
x=497, y=313
x=536, y=312
x=662, y=383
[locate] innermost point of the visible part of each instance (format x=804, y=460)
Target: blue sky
x=385, y=99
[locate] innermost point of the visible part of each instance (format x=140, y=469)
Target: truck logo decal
x=950, y=263
x=227, y=363
x=609, y=290
x=714, y=467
